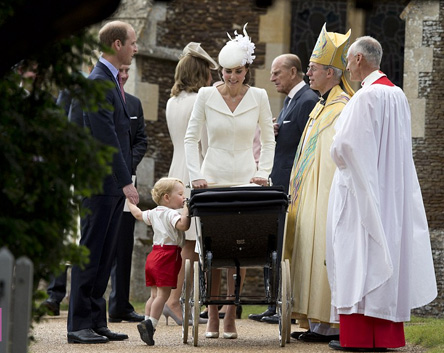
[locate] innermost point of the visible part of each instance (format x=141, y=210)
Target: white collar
x=296, y=88
x=110, y=66
x=374, y=76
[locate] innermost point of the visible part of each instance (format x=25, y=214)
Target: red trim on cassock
x=359, y=331
x=383, y=81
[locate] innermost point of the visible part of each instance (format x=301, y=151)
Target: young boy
x=164, y=261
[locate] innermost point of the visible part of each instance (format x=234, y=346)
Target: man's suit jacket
x=138, y=134
x=113, y=128
x=290, y=131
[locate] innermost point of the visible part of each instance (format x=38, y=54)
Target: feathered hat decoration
x=238, y=51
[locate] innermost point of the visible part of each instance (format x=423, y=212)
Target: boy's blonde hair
x=162, y=187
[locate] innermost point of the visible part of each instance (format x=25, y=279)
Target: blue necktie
x=284, y=108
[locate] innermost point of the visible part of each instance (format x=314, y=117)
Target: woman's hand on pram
x=259, y=181
x=199, y=184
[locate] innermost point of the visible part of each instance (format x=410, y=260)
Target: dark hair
x=191, y=74
x=247, y=76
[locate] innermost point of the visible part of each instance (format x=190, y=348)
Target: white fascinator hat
x=238, y=51
x=194, y=49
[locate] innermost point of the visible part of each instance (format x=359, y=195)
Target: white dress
x=230, y=158
x=178, y=112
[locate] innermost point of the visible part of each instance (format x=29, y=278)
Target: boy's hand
x=135, y=211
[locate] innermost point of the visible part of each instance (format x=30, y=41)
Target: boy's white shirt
x=163, y=220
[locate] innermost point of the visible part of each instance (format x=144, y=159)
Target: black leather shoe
x=316, y=337
x=52, y=307
x=146, y=331
x=258, y=317
x=296, y=334
x=204, y=314
x=87, y=336
x=130, y=317
x=239, y=312
x=273, y=319
x=112, y=336
x=336, y=345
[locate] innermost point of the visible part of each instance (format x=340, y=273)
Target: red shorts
x=162, y=266
x=361, y=331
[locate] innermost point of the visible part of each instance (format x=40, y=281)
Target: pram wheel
x=196, y=304
x=185, y=300
x=289, y=300
x=284, y=302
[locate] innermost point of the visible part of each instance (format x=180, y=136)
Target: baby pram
x=237, y=227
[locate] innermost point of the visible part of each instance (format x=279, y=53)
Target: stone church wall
x=427, y=56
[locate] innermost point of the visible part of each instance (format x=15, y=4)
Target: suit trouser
x=57, y=287
x=121, y=270
x=87, y=307
x=280, y=244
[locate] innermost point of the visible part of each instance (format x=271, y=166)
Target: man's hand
x=275, y=127
x=131, y=193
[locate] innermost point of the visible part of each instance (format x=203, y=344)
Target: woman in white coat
x=230, y=111
x=193, y=71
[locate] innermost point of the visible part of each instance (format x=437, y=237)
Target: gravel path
x=50, y=336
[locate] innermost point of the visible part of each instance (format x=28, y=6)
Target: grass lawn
x=426, y=332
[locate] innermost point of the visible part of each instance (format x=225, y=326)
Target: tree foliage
x=47, y=163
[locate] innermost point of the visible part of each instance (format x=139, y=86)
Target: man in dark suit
x=119, y=307
x=288, y=77
x=87, y=308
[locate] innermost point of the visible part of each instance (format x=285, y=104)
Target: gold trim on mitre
x=331, y=49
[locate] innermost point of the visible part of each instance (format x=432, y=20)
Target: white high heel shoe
x=212, y=334
x=230, y=335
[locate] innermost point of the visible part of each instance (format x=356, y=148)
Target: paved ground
x=50, y=336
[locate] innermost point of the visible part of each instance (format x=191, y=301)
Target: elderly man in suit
x=119, y=307
x=87, y=321
x=288, y=77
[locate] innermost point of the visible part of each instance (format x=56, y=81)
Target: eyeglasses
x=314, y=69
